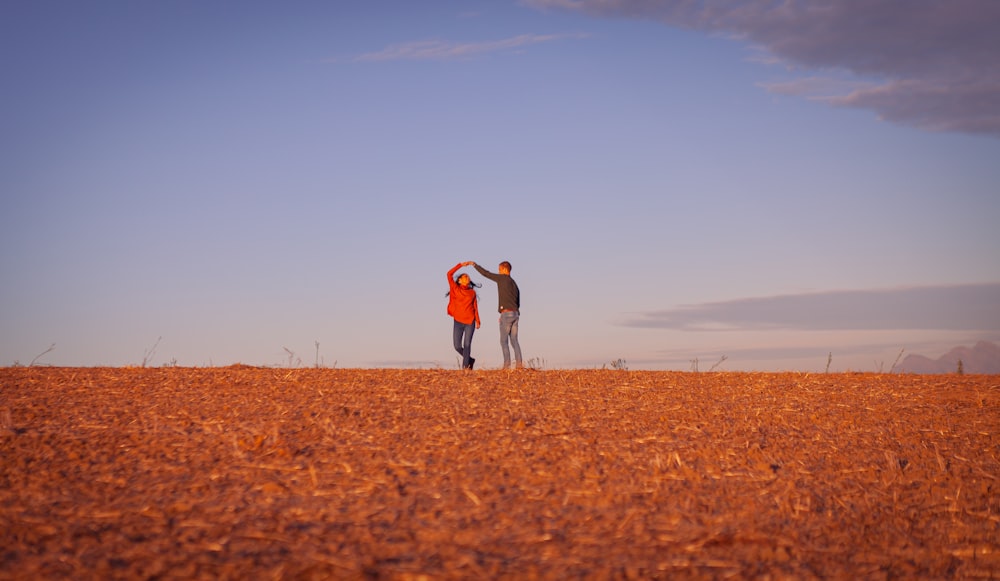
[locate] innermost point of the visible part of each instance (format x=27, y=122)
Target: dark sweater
x=507, y=292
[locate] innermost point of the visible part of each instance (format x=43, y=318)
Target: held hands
x=468, y=263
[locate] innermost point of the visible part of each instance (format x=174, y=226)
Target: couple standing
x=463, y=306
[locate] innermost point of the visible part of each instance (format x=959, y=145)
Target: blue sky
x=775, y=183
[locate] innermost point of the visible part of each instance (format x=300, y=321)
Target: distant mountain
x=983, y=358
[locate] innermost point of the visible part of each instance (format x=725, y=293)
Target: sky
x=690, y=185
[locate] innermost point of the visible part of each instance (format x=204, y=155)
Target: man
x=509, y=297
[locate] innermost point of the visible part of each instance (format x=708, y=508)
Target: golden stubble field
x=264, y=473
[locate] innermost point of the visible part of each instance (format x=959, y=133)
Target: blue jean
x=462, y=336
x=508, y=332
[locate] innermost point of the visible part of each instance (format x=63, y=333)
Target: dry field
x=263, y=473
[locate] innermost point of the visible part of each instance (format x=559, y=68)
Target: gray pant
x=508, y=332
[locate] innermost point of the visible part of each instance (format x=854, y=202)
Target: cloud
x=938, y=63
x=816, y=87
x=445, y=50
x=961, y=307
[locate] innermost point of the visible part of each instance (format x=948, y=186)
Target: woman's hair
x=472, y=283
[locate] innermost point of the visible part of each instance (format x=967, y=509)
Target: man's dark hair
x=505, y=264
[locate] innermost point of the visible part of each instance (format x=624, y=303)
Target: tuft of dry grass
x=245, y=472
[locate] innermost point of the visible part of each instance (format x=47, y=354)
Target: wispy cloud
x=960, y=307
x=448, y=50
x=938, y=62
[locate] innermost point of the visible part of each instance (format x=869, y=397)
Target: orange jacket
x=462, y=302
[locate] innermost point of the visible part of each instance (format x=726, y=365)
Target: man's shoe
x=472, y=362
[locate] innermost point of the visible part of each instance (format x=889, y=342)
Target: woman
x=464, y=308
